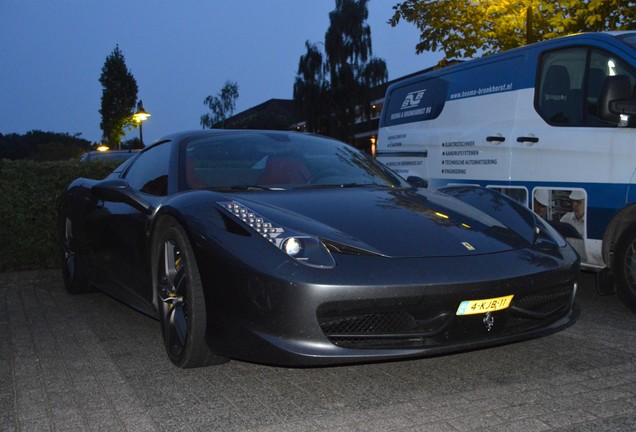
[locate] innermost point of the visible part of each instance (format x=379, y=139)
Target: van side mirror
x=614, y=104
x=417, y=182
x=623, y=106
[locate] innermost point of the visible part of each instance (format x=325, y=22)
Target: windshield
x=253, y=160
x=629, y=39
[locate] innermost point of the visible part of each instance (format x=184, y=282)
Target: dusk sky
x=52, y=53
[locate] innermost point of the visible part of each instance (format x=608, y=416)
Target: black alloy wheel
x=73, y=271
x=181, y=301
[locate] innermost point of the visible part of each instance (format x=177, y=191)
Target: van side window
x=570, y=85
x=561, y=87
x=603, y=66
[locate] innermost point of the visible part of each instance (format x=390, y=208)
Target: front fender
x=497, y=205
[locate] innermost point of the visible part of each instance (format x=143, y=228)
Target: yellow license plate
x=473, y=307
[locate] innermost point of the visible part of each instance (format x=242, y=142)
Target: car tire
x=181, y=301
x=625, y=268
x=73, y=267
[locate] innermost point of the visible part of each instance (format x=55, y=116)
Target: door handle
x=528, y=140
x=495, y=139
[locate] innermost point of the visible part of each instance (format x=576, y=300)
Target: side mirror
x=119, y=191
x=614, y=104
x=623, y=106
x=417, y=182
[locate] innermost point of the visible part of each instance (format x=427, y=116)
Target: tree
x=133, y=143
x=464, y=28
x=119, y=98
x=222, y=106
x=310, y=88
x=39, y=145
x=332, y=89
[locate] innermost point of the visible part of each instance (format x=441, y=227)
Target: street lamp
x=139, y=117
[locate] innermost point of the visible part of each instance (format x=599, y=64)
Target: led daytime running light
x=308, y=250
x=255, y=221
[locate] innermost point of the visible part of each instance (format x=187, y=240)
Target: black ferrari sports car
x=292, y=249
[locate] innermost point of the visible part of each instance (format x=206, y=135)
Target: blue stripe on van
x=423, y=98
x=507, y=71
x=498, y=76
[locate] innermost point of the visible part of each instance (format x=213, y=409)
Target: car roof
x=198, y=133
x=109, y=154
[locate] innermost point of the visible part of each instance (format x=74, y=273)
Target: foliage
x=222, y=106
x=330, y=90
x=119, y=97
x=39, y=145
x=464, y=28
x=274, y=114
x=310, y=88
x=133, y=143
x=30, y=191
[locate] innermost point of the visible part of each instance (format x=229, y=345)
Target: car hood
x=390, y=222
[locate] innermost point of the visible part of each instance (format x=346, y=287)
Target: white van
x=552, y=125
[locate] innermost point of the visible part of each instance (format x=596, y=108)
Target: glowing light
x=140, y=116
x=102, y=148
x=292, y=246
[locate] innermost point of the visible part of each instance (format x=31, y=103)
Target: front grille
x=412, y=324
x=382, y=329
x=371, y=324
x=545, y=301
x=538, y=309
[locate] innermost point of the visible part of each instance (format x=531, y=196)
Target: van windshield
x=629, y=39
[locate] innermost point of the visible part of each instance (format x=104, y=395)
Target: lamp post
x=139, y=117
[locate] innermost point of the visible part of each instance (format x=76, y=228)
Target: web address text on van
x=482, y=91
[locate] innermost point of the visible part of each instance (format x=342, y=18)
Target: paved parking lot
x=89, y=363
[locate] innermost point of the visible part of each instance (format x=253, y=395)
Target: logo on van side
x=413, y=99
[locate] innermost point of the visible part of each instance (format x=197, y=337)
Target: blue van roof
x=422, y=97
x=608, y=36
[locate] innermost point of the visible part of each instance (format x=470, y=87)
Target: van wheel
x=625, y=268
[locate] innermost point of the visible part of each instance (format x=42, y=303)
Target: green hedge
x=29, y=192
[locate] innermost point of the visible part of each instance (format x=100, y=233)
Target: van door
x=454, y=126
x=565, y=151
x=471, y=139
x=403, y=139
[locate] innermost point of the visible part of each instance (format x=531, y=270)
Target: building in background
x=281, y=114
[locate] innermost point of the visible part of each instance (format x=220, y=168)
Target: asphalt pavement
x=87, y=362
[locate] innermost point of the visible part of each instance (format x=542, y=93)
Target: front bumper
x=373, y=308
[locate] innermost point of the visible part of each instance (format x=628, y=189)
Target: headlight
x=306, y=249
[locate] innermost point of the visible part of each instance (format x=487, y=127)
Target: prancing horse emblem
x=489, y=321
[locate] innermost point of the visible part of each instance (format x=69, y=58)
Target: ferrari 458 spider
x=292, y=249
